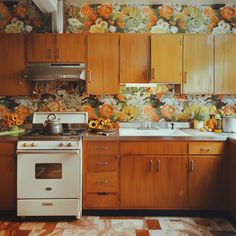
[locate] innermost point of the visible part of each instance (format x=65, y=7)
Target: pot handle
x=51, y=115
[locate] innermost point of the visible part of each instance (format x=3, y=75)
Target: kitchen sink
x=151, y=132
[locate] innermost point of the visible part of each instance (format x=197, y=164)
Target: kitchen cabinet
x=232, y=167
x=67, y=48
x=225, y=59
x=12, y=64
x=134, y=58
x=166, y=58
x=7, y=175
x=103, y=64
x=153, y=175
x=206, y=176
x=198, y=65
x=101, y=175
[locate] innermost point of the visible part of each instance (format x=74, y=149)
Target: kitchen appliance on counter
x=229, y=124
x=49, y=167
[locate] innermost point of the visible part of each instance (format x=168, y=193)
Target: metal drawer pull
x=206, y=149
x=48, y=189
x=47, y=204
x=102, y=181
x=102, y=163
x=158, y=165
x=102, y=193
x=191, y=165
x=151, y=166
x=102, y=148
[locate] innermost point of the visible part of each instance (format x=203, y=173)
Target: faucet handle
x=172, y=125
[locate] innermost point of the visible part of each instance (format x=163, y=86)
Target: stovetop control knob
x=69, y=145
x=25, y=145
x=33, y=144
x=61, y=145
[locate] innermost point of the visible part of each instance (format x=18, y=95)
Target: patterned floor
x=120, y=226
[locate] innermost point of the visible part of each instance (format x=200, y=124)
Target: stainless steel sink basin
x=151, y=132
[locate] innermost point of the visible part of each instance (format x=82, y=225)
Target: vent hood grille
x=54, y=71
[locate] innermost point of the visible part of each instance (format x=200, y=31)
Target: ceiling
x=195, y=2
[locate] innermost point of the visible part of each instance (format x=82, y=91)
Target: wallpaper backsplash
x=132, y=104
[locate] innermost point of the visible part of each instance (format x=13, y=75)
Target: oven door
x=48, y=174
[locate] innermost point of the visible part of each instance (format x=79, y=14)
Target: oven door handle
x=46, y=151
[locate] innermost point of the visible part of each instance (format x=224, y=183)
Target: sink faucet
x=172, y=125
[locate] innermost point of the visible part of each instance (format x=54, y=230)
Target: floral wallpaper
x=23, y=16
x=132, y=104
x=103, y=18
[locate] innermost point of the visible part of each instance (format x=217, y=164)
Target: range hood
x=54, y=71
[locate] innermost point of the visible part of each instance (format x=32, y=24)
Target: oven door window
x=48, y=171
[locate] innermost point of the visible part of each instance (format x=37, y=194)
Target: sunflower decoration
x=102, y=124
x=13, y=119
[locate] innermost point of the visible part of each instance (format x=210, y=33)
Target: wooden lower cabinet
x=206, y=183
x=7, y=176
x=232, y=205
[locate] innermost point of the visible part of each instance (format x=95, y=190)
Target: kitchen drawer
x=102, y=148
x=8, y=148
x=48, y=207
x=206, y=148
x=102, y=182
x=102, y=163
x=153, y=147
x=102, y=200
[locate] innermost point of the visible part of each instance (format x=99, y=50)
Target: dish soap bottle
x=218, y=128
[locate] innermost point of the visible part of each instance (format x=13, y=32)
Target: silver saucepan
x=52, y=125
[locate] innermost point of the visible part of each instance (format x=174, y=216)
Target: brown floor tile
x=48, y=228
x=142, y=232
x=153, y=224
x=14, y=232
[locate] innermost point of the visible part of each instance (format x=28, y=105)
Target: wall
x=132, y=104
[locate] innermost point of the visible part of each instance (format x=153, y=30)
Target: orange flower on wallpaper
x=229, y=110
x=5, y=16
x=150, y=111
x=86, y=11
x=105, y=10
x=168, y=111
x=91, y=112
x=227, y=12
x=210, y=12
x=166, y=11
x=22, y=111
x=20, y=10
x=106, y=110
x=37, y=22
x=121, y=24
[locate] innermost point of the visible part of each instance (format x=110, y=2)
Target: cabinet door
x=170, y=178
x=134, y=58
x=206, y=183
x=166, y=58
x=136, y=182
x=70, y=48
x=7, y=176
x=12, y=64
x=41, y=47
x=225, y=59
x=198, y=64
x=103, y=64
x=233, y=180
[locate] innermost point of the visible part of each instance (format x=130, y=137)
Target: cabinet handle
x=151, y=166
x=102, y=163
x=191, y=165
x=90, y=76
x=102, y=181
x=49, y=52
x=147, y=77
x=117, y=157
x=158, y=165
x=185, y=77
x=102, y=148
x=58, y=53
x=47, y=204
x=102, y=193
x=153, y=73
x=206, y=149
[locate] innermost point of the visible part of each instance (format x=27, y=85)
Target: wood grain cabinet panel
x=225, y=59
x=7, y=176
x=103, y=148
x=134, y=58
x=166, y=58
x=198, y=64
x=12, y=65
x=206, y=148
x=103, y=64
x=102, y=201
x=232, y=205
x=67, y=48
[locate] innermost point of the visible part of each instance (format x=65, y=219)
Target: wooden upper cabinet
x=166, y=58
x=225, y=60
x=134, y=58
x=198, y=63
x=56, y=48
x=12, y=64
x=103, y=64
